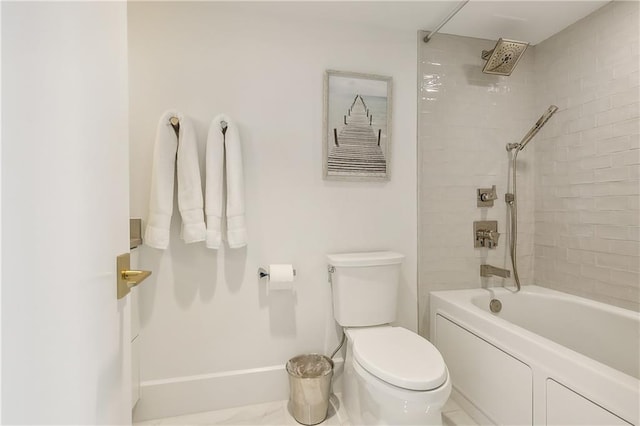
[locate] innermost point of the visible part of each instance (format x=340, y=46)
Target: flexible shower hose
x=513, y=209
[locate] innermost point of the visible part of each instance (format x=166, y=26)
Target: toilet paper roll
x=281, y=277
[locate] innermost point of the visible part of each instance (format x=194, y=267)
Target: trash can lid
x=309, y=366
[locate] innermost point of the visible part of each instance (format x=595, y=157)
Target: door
x=65, y=206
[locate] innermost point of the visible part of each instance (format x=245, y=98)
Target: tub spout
x=489, y=271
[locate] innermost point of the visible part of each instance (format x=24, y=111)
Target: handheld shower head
x=504, y=57
x=534, y=130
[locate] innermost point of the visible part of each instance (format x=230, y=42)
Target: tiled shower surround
x=465, y=119
x=587, y=167
x=578, y=182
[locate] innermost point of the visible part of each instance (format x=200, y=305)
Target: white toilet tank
x=365, y=287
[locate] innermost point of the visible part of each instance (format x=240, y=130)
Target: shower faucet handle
x=486, y=196
x=488, y=239
x=486, y=234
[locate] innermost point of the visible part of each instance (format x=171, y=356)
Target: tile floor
x=277, y=414
x=267, y=414
x=454, y=415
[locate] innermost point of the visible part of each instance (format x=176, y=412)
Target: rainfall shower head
x=504, y=57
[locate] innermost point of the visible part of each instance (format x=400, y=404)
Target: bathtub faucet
x=489, y=271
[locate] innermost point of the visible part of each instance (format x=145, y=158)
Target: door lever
x=127, y=278
x=133, y=278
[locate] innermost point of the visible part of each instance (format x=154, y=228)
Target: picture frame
x=357, y=126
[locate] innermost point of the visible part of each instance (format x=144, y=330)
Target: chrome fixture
x=344, y=337
x=490, y=271
x=486, y=233
x=262, y=273
x=495, y=306
x=503, y=58
x=447, y=19
x=534, y=130
x=511, y=197
x=486, y=196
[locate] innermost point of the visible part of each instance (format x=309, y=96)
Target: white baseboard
x=209, y=392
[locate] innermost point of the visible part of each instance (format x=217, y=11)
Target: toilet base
x=370, y=401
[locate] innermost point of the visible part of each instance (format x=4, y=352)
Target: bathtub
x=546, y=358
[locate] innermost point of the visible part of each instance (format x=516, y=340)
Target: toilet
x=392, y=376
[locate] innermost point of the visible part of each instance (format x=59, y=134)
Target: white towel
x=167, y=145
x=224, y=150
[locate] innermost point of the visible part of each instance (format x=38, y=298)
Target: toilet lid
x=399, y=357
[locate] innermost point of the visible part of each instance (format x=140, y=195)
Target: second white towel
x=224, y=153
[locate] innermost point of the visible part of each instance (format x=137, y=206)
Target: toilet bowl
x=392, y=376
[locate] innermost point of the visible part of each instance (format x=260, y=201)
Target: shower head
x=534, y=130
x=504, y=57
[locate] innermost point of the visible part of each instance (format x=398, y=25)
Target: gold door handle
x=127, y=278
x=133, y=278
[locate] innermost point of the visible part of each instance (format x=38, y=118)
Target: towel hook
x=223, y=127
x=175, y=123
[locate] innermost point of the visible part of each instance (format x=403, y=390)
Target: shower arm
x=486, y=54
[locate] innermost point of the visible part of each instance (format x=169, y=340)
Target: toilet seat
x=399, y=357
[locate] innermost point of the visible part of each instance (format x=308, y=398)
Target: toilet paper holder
x=262, y=272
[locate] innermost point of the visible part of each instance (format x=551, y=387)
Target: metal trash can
x=309, y=383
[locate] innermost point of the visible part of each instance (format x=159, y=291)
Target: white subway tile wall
x=588, y=159
x=578, y=181
x=466, y=119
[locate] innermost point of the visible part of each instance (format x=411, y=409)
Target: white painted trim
x=208, y=392
x=0, y=215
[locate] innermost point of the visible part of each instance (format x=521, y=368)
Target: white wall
x=64, y=213
x=466, y=119
x=587, y=189
x=0, y=215
x=205, y=316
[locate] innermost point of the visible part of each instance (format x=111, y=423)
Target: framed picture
x=357, y=126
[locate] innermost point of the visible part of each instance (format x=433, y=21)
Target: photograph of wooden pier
x=357, y=126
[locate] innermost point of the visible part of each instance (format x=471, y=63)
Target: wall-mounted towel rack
x=175, y=123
